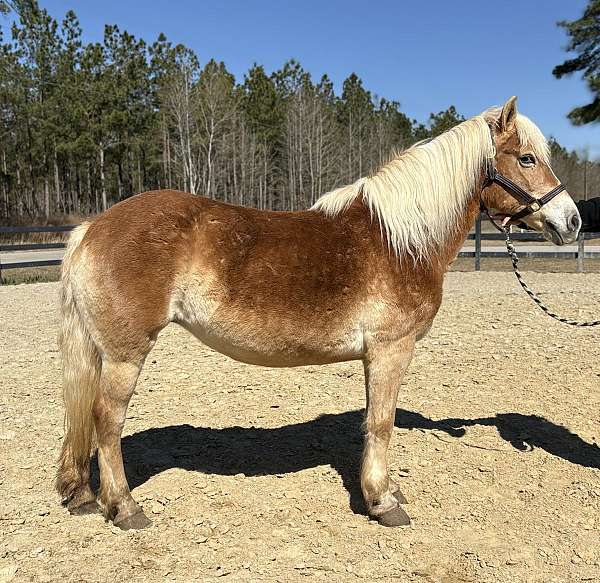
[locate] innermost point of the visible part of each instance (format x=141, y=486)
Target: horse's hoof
x=87, y=508
x=136, y=521
x=400, y=497
x=394, y=517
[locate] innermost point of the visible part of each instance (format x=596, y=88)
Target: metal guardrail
x=46, y=229
x=32, y=246
x=23, y=264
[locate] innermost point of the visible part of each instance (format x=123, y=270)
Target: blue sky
x=425, y=54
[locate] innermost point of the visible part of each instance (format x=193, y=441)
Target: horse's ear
x=508, y=115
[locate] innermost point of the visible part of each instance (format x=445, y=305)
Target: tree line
x=85, y=125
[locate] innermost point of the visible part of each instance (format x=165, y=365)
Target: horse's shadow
x=333, y=439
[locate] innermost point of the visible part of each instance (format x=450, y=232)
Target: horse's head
x=522, y=157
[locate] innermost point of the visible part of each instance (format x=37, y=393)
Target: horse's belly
x=267, y=337
x=266, y=347
x=260, y=348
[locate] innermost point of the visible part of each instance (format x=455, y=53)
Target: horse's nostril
x=574, y=223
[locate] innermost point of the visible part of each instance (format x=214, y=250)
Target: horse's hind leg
x=385, y=365
x=117, y=383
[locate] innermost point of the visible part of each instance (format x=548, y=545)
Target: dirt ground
x=250, y=474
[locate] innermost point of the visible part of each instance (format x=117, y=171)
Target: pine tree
x=356, y=112
x=584, y=36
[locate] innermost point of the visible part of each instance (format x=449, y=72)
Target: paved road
x=21, y=256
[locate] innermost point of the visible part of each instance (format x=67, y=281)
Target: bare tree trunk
x=103, y=179
x=46, y=198
x=46, y=189
x=4, y=185
x=234, y=165
x=19, y=191
x=120, y=180
x=32, y=202
x=169, y=166
x=166, y=155
x=139, y=171
x=89, y=187
x=57, y=191
x=209, y=160
x=79, y=197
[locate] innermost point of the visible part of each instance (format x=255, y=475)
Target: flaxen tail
x=81, y=366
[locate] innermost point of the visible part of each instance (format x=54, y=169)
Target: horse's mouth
x=553, y=234
x=503, y=219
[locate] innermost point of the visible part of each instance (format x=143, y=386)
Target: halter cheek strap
x=530, y=203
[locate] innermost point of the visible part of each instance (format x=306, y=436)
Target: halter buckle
x=535, y=207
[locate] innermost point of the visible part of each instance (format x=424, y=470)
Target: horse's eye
x=527, y=160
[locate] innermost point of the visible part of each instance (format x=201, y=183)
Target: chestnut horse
x=356, y=277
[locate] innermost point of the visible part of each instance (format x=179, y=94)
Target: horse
x=358, y=276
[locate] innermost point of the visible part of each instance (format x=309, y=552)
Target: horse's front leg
x=385, y=364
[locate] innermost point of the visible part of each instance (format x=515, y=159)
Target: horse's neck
x=361, y=215
x=457, y=238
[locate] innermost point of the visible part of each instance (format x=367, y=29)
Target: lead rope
x=512, y=252
x=515, y=260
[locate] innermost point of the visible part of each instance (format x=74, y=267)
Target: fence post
x=478, y=243
x=580, y=252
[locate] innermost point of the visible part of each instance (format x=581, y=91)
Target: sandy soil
x=250, y=474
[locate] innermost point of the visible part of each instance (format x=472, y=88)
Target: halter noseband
x=531, y=204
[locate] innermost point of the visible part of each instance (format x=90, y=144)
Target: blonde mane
x=419, y=195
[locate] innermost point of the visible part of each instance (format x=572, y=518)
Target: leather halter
x=530, y=203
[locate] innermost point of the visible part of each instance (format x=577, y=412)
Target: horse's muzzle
x=562, y=232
